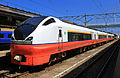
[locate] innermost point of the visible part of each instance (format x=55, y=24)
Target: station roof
x=16, y=11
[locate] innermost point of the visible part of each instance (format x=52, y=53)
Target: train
x=5, y=35
x=43, y=39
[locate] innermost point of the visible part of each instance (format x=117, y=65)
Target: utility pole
x=85, y=19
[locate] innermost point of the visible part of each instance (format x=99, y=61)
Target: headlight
x=29, y=38
x=18, y=58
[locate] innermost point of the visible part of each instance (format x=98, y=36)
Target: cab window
x=49, y=21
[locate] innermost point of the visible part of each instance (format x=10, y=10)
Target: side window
x=2, y=35
x=49, y=21
x=9, y=35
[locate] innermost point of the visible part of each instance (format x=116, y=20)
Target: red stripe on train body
x=40, y=54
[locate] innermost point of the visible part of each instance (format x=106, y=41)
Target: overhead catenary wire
x=96, y=15
x=112, y=12
x=50, y=1
x=102, y=13
x=107, y=11
x=98, y=6
x=36, y=2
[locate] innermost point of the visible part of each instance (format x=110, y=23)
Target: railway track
x=100, y=67
x=11, y=71
x=113, y=51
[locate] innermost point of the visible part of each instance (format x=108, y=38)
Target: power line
x=36, y=2
x=98, y=6
x=50, y=1
x=23, y=7
x=106, y=12
x=111, y=8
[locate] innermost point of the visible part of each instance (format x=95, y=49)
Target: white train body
x=49, y=33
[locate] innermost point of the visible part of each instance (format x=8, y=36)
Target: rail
x=100, y=62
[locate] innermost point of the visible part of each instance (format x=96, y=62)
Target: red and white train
x=39, y=39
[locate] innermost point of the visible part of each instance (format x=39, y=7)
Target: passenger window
x=9, y=35
x=2, y=35
x=49, y=21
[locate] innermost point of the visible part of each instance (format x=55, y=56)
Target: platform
x=61, y=69
x=4, y=53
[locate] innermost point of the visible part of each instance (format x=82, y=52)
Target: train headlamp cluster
x=20, y=58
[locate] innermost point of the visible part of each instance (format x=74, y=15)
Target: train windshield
x=33, y=21
x=27, y=27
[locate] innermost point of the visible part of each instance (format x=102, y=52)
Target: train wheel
x=63, y=54
x=52, y=59
x=102, y=43
x=91, y=46
x=84, y=49
x=50, y=62
x=80, y=50
x=88, y=48
x=94, y=45
x=19, y=67
x=59, y=56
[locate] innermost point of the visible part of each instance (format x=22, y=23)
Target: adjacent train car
x=39, y=40
x=5, y=35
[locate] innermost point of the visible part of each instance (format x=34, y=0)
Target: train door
x=93, y=35
x=97, y=35
x=60, y=39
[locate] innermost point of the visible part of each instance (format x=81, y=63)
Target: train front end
x=23, y=52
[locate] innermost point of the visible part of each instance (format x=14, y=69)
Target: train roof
x=72, y=23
